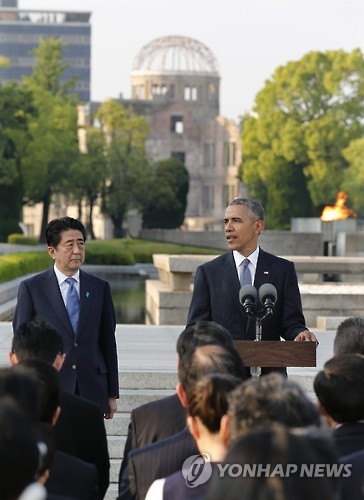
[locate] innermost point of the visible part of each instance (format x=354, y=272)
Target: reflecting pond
x=129, y=299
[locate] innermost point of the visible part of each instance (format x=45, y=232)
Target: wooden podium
x=276, y=353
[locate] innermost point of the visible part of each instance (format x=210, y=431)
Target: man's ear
x=58, y=362
x=51, y=252
x=193, y=427
x=224, y=430
x=182, y=395
x=13, y=358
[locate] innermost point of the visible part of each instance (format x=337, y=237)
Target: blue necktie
x=245, y=276
x=72, y=303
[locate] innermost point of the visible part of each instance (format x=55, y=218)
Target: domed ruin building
x=175, y=85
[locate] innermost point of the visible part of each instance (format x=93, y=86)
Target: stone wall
x=276, y=242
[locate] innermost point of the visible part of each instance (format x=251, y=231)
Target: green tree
x=15, y=109
x=88, y=175
x=54, y=145
x=126, y=135
x=165, y=199
x=293, y=142
x=354, y=178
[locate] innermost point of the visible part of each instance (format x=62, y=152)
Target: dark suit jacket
x=91, y=356
x=152, y=422
x=349, y=438
x=70, y=476
x=155, y=461
x=80, y=431
x=216, y=297
x=352, y=487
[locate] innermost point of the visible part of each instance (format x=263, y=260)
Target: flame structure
x=339, y=211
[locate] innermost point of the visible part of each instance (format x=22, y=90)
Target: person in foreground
x=79, y=418
x=79, y=306
x=207, y=405
x=273, y=460
x=217, y=283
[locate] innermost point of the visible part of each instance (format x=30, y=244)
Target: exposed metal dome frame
x=176, y=53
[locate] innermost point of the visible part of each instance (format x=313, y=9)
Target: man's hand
x=306, y=335
x=112, y=408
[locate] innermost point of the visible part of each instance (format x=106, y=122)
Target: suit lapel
x=53, y=295
x=262, y=273
x=86, y=299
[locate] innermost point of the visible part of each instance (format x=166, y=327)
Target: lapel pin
x=87, y=295
x=265, y=272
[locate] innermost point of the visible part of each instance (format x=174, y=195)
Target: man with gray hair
x=217, y=283
x=349, y=337
x=266, y=400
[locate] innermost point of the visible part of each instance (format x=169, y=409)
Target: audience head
x=208, y=399
x=273, y=450
x=37, y=339
x=19, y=451
x=48, y=385
x=266, y=400
x=203, y=333
x=23, y=388
x=339, y=388
x=206, y=360
x=349, y=337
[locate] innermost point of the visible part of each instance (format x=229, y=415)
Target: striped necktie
x=244, y=275
x=72, y=303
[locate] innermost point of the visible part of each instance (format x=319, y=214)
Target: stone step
x=132, y=398
x=137, y=379
x=329, y=322
x=112, y=492
x=116, y=446
x=114, y=469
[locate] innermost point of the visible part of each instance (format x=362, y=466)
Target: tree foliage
x=165, y=199
x=88, y=174
x=303, y=119
x=54, y=144
x=15, y=109
x=126, y=135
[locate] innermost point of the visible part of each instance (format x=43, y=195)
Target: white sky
x=249, y=38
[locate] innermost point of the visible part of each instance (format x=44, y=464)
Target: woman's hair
x=208, y=399
x=277, y=464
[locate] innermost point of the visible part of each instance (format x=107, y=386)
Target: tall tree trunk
x=79, y=206
x=90, y=221
x=117, y=221
x=45, y=214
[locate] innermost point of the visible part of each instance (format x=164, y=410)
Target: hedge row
x=109, y=252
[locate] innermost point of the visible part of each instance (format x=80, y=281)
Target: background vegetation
x=110, y=252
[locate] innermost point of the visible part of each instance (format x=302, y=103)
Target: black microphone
x=248, y=296
x=268, y=297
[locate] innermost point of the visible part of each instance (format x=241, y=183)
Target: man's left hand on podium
x=306, y=335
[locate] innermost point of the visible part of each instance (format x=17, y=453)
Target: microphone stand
x=256, y=371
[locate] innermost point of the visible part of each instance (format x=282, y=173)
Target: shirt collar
x=253, y=257
x=62, y=277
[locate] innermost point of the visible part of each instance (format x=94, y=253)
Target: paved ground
x=145, y=348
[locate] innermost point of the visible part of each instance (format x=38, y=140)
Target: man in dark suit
x=80, y=308
x=216, y=289
x=164, y=457
x=339, y=390
x=160, y=419
x=79, y=418
x=62, y=474
x=352, y=486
